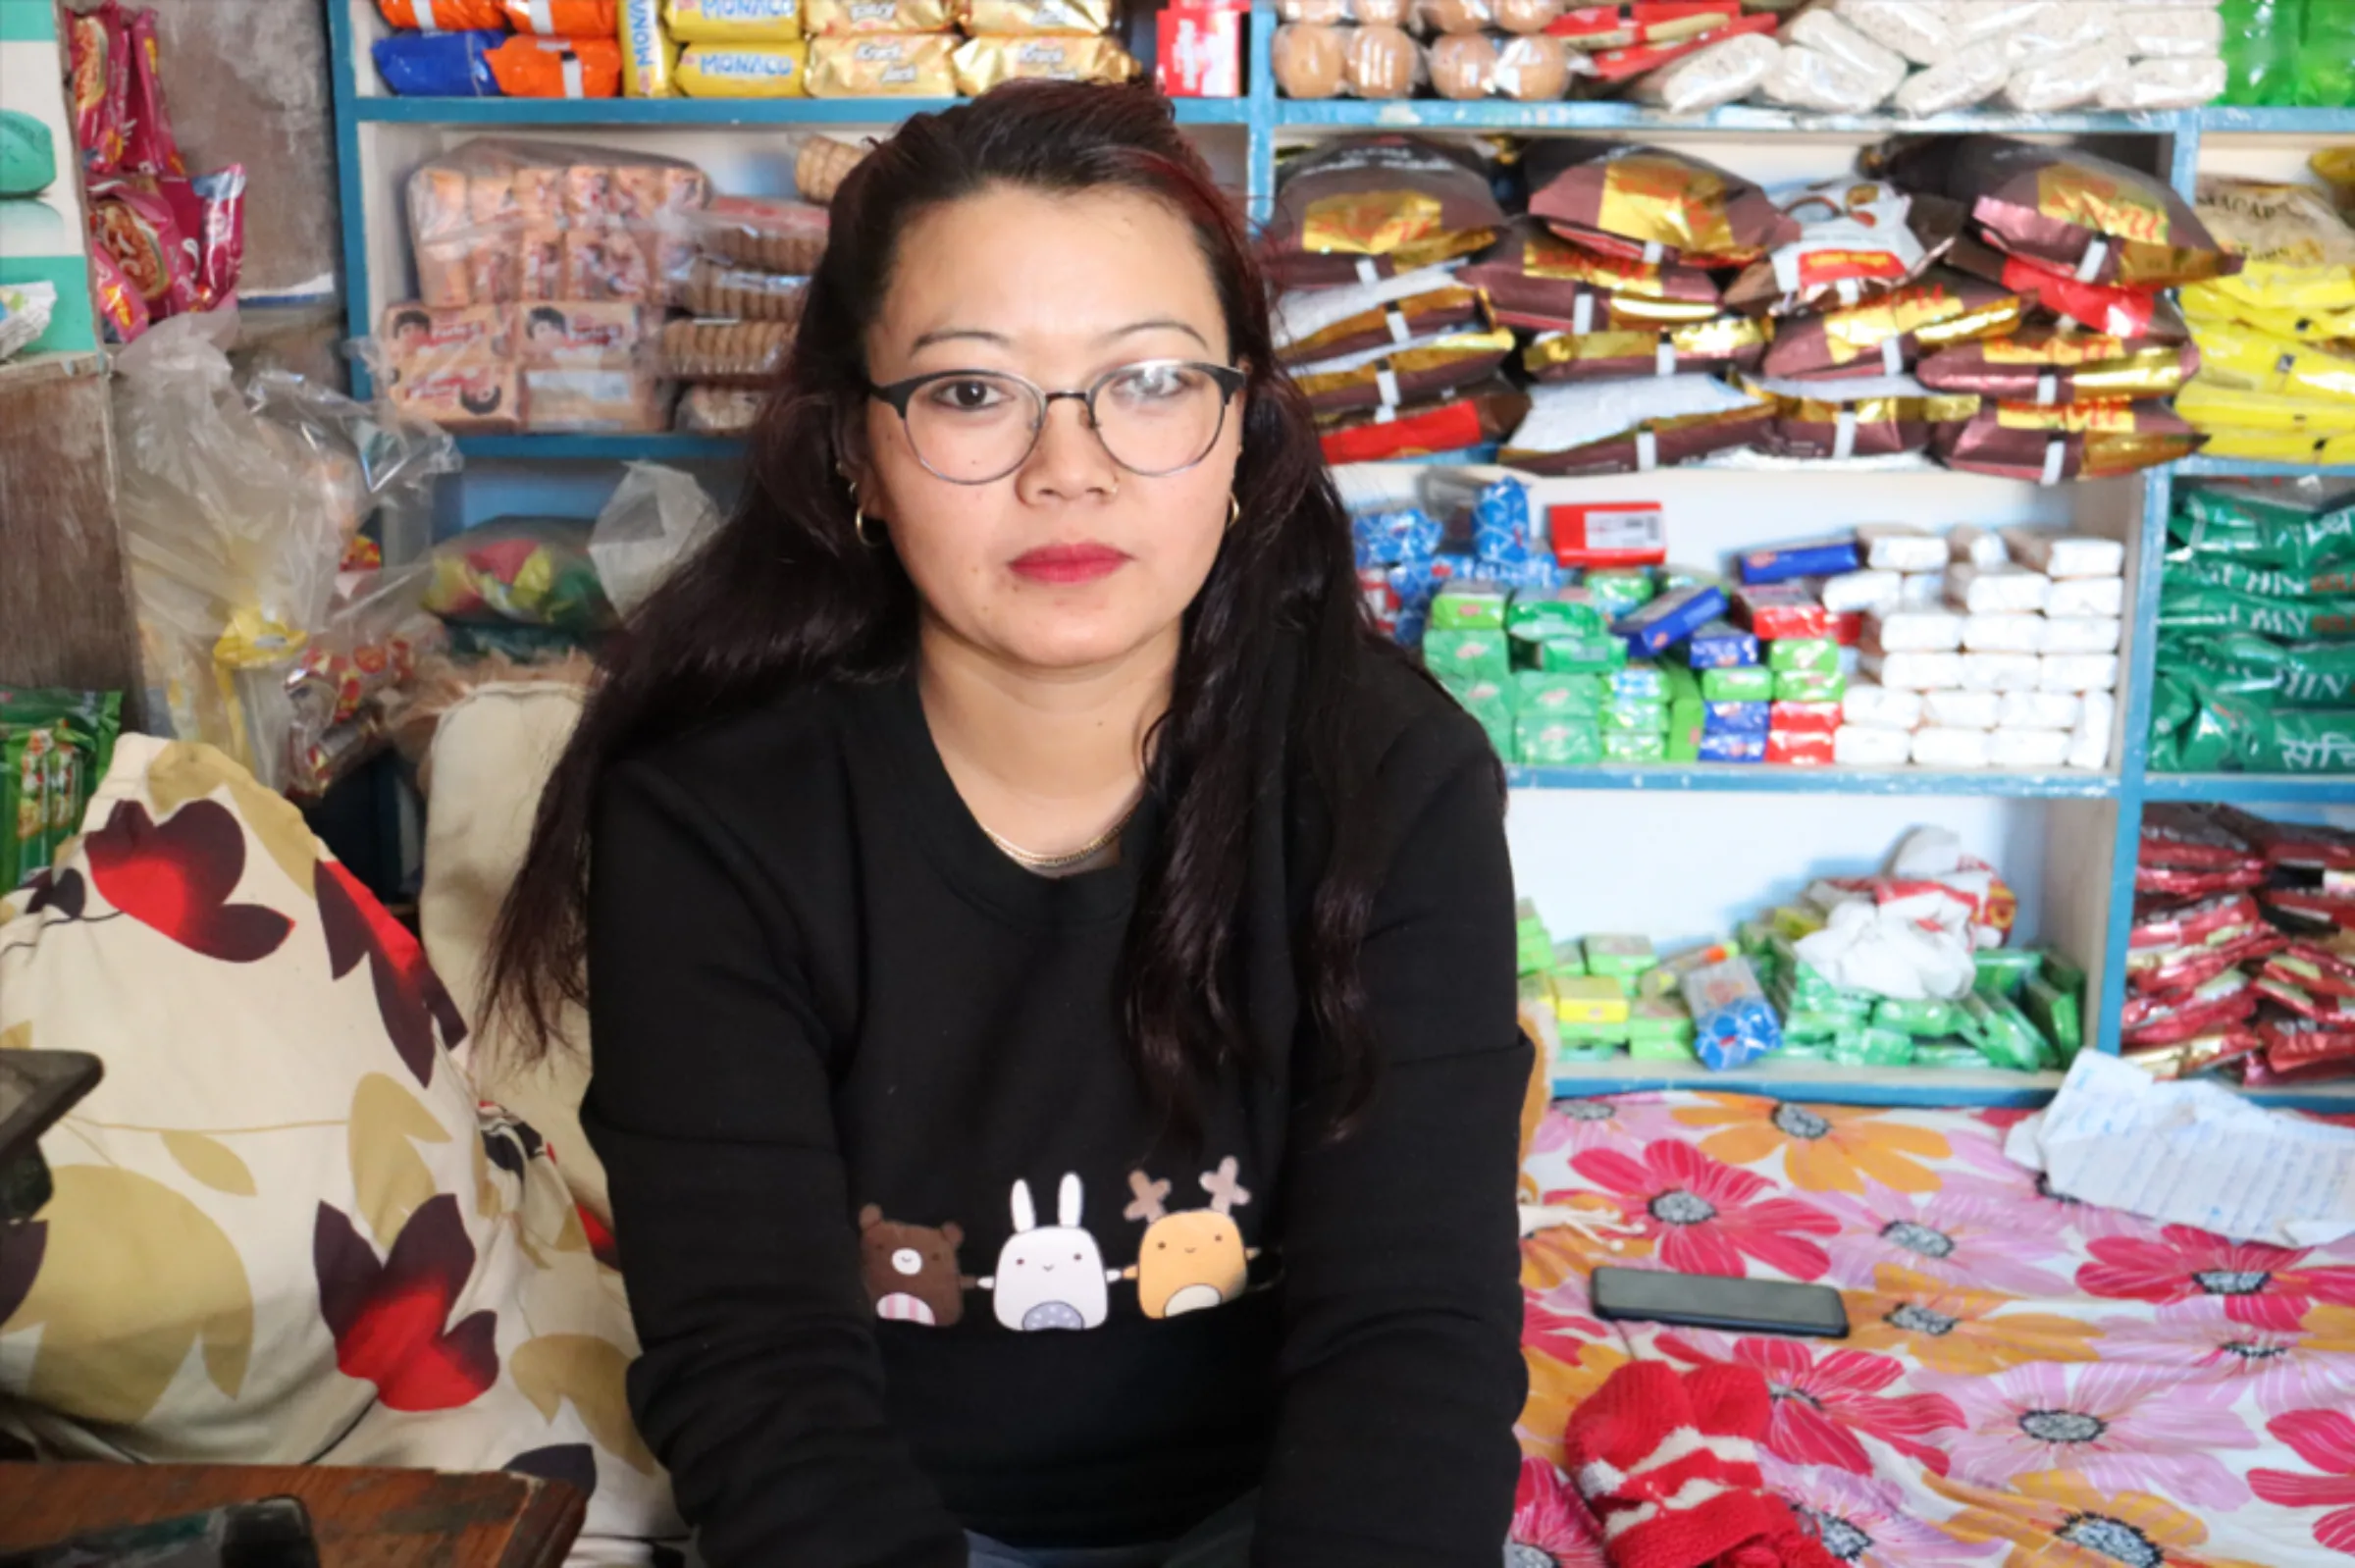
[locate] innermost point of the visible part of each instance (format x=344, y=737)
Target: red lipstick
x=1064, y=565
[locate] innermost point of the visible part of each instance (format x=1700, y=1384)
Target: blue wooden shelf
x=2223, y=120
x=2240, y=788
x=1820, y=1081
x=690, y=112
x=1733, y=778
x=666, y=448
x=2249, y=468
x=1440, y=114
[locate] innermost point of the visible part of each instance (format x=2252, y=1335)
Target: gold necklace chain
x=1031, y=860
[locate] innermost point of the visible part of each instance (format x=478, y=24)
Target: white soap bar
x=2171, y=32
x=1913, y=672
x=1974, y=20
x=1981, y=546
x=1915, y=631
x=1862, y=746
x=1857, y=591
x=1868, y=706
x=2081, y=634
x=2039, y=710
x=1918, y=30
x=1922, y=590
x=1944, y=748
x=1901, y=547
x=1961, y=709
x=2167, y=84
x=2027, y=747
x=2078, y=672
x=1972, y=74
x=1996, y=589
x=2065, y=554
x=2004, y=634
x=2087, y=595
x=2089, y=741
x=2049, y=84
x=2001, y=672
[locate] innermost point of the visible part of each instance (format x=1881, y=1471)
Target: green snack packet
x=1469, y=606
x=1639, y=681
x=1684, y=736
x=1808, y=988
x=1617, y=592
x=1619, y=955
x=2262, y=530
x=1660, y=1030
x=1750, y=683
x=1805, y=1049
x=1683, y=686
x=1489, y=701
x=2304, y=739
x=1787, y=655
x=1568, y=654
x=1595, y=1033
x=1645, y=715
x=1468, y=655
x=1754, y=937
x=1873, y=1047
x=2061, y=971
x=2002, y=969
x=1809, y=686
x=1946, y=1053
x=1539, y=691
x=1562, y=611
x=1533, y=947
x=1569, y=957
x=1918, y=1018
x=1628, y=746
x=1554, y=740
x=2186, y=605
x=2319, y=674
x=2054, y=1012
x=23, y=819
x=2186, y=565
x=2004, y=1034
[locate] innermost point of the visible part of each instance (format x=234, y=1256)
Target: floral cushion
x=284, y=1232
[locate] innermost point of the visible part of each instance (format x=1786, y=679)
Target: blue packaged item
x=1728, y=746
x=1733, y=1024
x=1412, y=624
x=1535, y=575
x=1735, y=718
x=439, y=65
x=1654, y=628
x=1817, y=557
x=1502, y=530
x=1722, y=644
x=1398, y=534
x=1640, y=683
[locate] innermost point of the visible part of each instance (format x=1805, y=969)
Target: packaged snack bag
x=439, y=65
x=149, y=147
x=1370, y=207
x=1885, y=335
x=744, y=70
x=564, y=19
x=120, y=304
x=1718, y=344
x=649, y=53
x=733, y=20
x=980, y=16
x=868, y=64
x=100, y=51
x=527, y=66
x=444, y=16
x=2069, y=441
x=132, y=218
x=984, y=60
x=1651, y=205
x=2048, y=365
x=827, y=19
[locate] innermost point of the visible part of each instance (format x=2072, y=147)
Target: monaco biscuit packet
x=1371, y=207
x=883, y=64
x=733, y=20
x=980, y=16
x=2067, y=440
x=1653, y=205
x=2052, y=365
x=1534, y=277
x=1882, y=336
x=744, y=70
x=2068, y=211
x=984, y=61
x=828, y=19
x=1874, y=417
x=1718, y=343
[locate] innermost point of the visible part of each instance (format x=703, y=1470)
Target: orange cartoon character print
x=1194, y=1258
x=910, y=1270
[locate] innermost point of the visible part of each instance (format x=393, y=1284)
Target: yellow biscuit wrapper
x=649, y=58
x=979, y=16
x=833, y=18
x=733, y=20
x=917, y=64
x=744, y=70
x=983, y=62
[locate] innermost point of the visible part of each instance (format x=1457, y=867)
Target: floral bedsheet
x=2028, y=1383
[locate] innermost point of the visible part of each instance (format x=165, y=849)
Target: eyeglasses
x=1156, y=417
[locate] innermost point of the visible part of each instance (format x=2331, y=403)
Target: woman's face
x=1072, y=561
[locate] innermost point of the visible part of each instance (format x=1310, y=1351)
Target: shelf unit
x=2086, y=826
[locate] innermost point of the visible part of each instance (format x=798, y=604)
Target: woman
x=1051, y=963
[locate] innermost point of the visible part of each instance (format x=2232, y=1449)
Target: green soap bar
x=1569, y=957
x=1590, y=1053
x=1468, y=606
x=1789, y=653
x=1583, y=656
x=1684, y=742
x=1540, y=691
x=1629, y=588
x=1661, y=1050
x=1563, y=611
x=2002, y=969
x=2062, y=971
x=1683, y=686
x=2004, y=1034
x=1533, y=943
x=1872, y=1047
x=1754, y=937
x=1809, y=686
x=1924, y=1019
x=1595, y=1034
x=1619, y=955
x=1805, y=1049
x=1549, y=739
x=1947, y=1053
x=27, y=154
x=2055, y=1012
x=1645, y=715
x=1628, y=746
x=1467, y=655
x=1748, y=683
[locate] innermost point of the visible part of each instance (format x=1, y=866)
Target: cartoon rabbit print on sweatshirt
x=1050, y=1277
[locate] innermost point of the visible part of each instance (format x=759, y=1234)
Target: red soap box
x=1800, y=747
x=1609, y=534
x=1200, y=51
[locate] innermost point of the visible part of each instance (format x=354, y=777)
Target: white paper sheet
x=2190, y=1154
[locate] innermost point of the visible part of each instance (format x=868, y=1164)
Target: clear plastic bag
x=521, y=571
x=375, y=636
x=658, y=517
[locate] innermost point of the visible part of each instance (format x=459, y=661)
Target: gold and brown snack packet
x=2052, y=365
x=1535, y=278
x=1874, y=418
x=1371, y=207
x=980, y=16
x=1324, y=323
x=883, y=64
x=2067, y=441
x=1884, y=336
x=1718, y=343
x=1415, y=372
x=985, y=61
x=1653, y=205
x=832, y=18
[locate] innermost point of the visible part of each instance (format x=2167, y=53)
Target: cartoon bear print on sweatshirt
x=1192, y=1259
x=910, y=1270
x=1050, y=1277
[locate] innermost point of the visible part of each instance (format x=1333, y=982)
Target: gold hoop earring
x=1235, y=511
x=859, y=526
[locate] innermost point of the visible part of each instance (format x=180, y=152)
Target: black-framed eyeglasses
x=1155, y=417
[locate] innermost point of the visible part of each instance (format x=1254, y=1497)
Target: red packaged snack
x=2309, y=909
x=221, y=241
x=149, y=146
x=134, y=220
x=1848, y=628
x=1800, y=747
x=2174, y=969
x=1201, y=53
x=118, y=303
x=2304, y=1048
x=2336, y=1012
x=1625, y=64
x=2182, y=835
x=101, y=64
x=1609, y=534
x=2305, y=846
x=1382, y=599
x=1483, y=414
x=2314, y=969
x=2199, y=1054
x=526, y=67
x=1776, y=610
x=2184, y=1015
x=1624, y=26
x=2138, y=313
x=2176, y=882
x=1802, y=718
x=564, y=19
x=2209, y=922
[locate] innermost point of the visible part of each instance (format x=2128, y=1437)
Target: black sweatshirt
x=904, y=1250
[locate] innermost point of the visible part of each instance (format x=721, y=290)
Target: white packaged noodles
x=2081, y=633
x=2001, y=672
x=1849, y=592
x=2027, y=747
x=1996, y=589
x=1709, y=77
x=2039, y=710
x=1919, y=29
x=1974, y=20
x=1970, y=75
x=2061, y=27
x=1870, y=705
x=2003, y=634
x=1898, y=546
x=1958, y=710
x=2087, y=595
x=1923, y=590
x=2171, y=32
x=2089, y=741
x=2065, y=554
x=1912, y=672
x=2078, y=672
x=2152, y=84
x=1935, y=746
x=1856, y=746
x=1824, y=33
x=1980, y=546
x=1807, y=78
x=2051, y=83
x=1913, y=631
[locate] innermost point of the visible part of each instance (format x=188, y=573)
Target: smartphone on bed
x=1707, y=1301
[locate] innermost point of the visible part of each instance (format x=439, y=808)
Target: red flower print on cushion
x=1705, y=1217
x=2259, y=1284
x=409, y=996
x=1551, y=1527
x=388, y=1318
x=176, y=877
x=1822, y=1403
x=2325, y=1439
